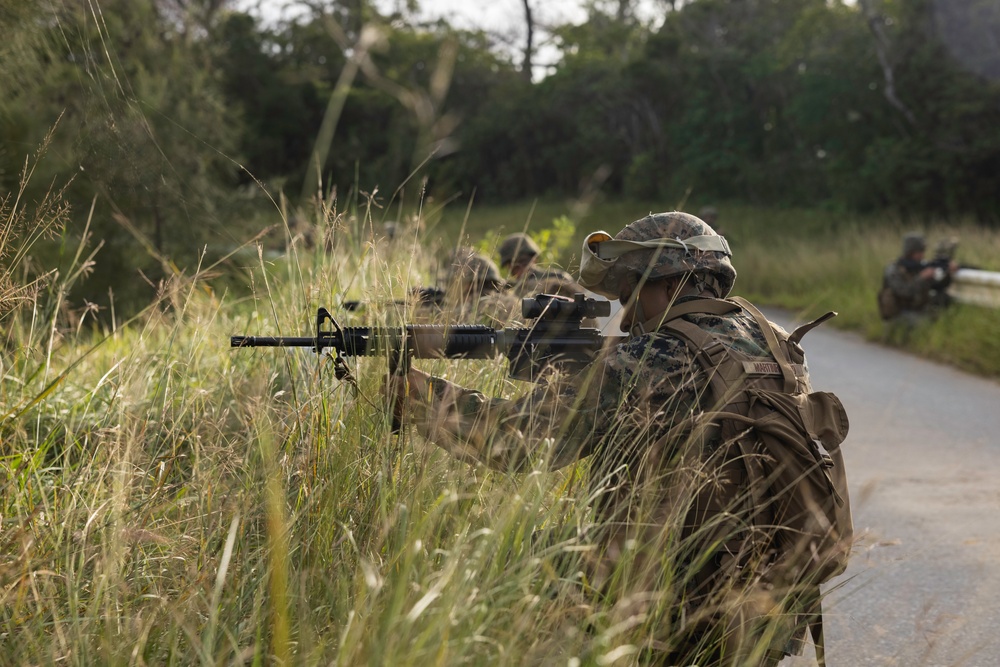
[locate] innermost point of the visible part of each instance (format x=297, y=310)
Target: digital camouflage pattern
x=910, y=290
x=476, y=293
x=539, y=280
x=713, y=269
x=640, y=387
x=641, y=482
x=688, y=431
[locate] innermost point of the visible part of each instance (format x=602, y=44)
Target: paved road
x=923, y=458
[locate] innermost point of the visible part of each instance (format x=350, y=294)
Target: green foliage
x=556, y=241
x=141, y=126
x=169, y=498
x=167, y=501
x=811, y=262
x=185, y=126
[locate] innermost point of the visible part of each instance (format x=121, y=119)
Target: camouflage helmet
x=658, y=246
x=913, y=242
x=517, y=246
x=945, y=248
x=473, y=270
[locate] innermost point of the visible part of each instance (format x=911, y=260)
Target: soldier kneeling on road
x=913, y=289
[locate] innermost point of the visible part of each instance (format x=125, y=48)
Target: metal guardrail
x=979, y=288
x=970, y=286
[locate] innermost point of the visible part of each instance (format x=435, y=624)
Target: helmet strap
x=644, y=325
x=639, y=317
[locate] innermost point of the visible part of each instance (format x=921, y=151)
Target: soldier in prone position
x=519, y=255
x=476, y=292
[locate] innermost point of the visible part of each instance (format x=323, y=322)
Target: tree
x=143, y=127
x=527, y=67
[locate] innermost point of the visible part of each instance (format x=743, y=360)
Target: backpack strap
x=723, y=372
x=676, y=310
x=814, y=616
x=772, y=343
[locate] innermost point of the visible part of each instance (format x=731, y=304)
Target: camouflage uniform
x=477, y=293
x=537, y=280
x=635, y=392
x=520, y=250
x=617, y=414
x=914, y=294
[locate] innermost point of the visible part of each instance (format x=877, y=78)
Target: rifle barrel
x=556, y=337
x=423, y=340
x=271, y=341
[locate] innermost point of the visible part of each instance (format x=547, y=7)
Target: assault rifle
x=555, y=337
x=420, y=296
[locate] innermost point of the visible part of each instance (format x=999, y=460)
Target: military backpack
x=788, y=439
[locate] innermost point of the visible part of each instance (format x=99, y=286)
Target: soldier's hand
x=399, y=390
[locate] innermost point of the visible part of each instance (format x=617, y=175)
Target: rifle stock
x=556, y=337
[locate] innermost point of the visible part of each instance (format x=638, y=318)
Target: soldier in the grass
x=682, y=542
x=476, y=292
x=710, y=215
x=519, y=256
x=914, y=290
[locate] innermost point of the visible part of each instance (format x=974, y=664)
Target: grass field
x=168, y=500
x=805, y=261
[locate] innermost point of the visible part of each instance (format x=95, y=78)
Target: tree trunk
x=529, y=45
x=875, y=24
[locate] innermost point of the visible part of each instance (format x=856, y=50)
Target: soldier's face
x=624, y=292
x=652, y=300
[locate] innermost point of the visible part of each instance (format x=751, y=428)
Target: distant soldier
x=945, y=267
x=710, y=215
x=477, y=292
x=519, y=256
x=390, y=229
x=909, y=283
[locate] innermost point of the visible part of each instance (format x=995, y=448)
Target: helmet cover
x=661, y=245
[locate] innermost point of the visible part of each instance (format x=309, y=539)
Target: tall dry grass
x=169, y=500
x=807, y=261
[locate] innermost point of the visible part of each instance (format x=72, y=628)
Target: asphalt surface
x=923, y=460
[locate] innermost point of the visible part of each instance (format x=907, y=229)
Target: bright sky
x=504, y=18
x=492, y=14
